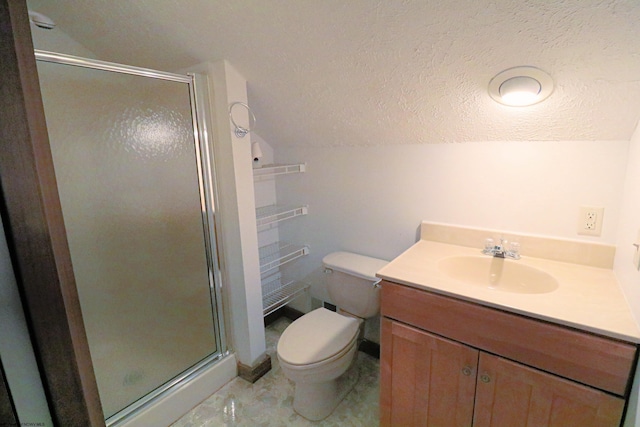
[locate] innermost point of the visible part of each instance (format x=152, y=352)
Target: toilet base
x=316, y=401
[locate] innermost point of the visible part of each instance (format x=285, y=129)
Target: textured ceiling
x=370, y=72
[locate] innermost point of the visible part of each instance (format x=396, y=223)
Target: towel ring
x=239, y=131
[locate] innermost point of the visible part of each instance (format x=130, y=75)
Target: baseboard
x=286, y=311
x=330, y=306
x=291, y=313
x=270, y=318
x=371, y=348
x=253, y=374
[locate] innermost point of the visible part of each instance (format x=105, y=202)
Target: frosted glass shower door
x=126, y=163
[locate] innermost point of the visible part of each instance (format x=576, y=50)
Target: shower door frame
x=198, y=99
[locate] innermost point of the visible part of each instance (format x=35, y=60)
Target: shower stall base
x=169, y=406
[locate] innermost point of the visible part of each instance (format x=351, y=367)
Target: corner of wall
x=58, y=41
x=629, y=228
x=236, y=214
x=628, y=276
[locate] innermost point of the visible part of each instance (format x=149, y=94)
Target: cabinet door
x=426, y=380
x=512, y=395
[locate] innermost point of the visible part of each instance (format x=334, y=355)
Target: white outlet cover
x=590, y=221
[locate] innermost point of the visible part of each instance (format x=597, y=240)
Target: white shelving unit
x=269, y=215
x=268, y=171
x=276, y=254
x=275, y=292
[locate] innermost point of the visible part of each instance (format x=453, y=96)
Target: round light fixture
x=521, y=86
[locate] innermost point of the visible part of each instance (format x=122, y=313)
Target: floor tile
x=269, y=402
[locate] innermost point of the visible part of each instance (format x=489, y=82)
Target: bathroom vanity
x=457, y=353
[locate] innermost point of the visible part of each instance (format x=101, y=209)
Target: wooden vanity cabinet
x=511, y=394
x=447, y=362
x=425, y=380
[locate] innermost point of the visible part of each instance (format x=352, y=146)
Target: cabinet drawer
x=597, y=361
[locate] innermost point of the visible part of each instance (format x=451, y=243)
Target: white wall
x=629, y=228
x=628, y=275
x=16, y=352
x=58, y=41
x=371, y=200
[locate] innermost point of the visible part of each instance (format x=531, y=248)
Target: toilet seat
x=326, y=365
x=317, y=337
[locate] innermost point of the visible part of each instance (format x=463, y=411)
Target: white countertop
x=588, y=298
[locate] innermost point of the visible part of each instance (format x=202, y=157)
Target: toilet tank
x=350, y=280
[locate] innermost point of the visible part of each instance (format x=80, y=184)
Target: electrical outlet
x=590, y=221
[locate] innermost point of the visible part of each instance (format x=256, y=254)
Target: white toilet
x=317, y=349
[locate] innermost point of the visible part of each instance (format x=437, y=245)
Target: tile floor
x=268, y=402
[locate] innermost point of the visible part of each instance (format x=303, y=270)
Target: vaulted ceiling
x=371, y=72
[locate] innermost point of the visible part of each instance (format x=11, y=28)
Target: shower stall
x=135, y=177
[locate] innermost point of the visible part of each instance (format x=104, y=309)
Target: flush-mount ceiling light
x=521, y=86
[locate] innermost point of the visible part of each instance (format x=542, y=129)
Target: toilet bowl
x=314, y=351
x=317, y=349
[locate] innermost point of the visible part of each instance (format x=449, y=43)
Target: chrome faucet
x=500, y=251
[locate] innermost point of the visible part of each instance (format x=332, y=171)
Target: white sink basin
x=498, y=274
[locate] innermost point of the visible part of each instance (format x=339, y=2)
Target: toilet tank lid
x=357, y=265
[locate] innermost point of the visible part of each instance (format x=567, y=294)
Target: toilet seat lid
x=316, y=336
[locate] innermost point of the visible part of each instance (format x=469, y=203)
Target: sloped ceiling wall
x=379, y=72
